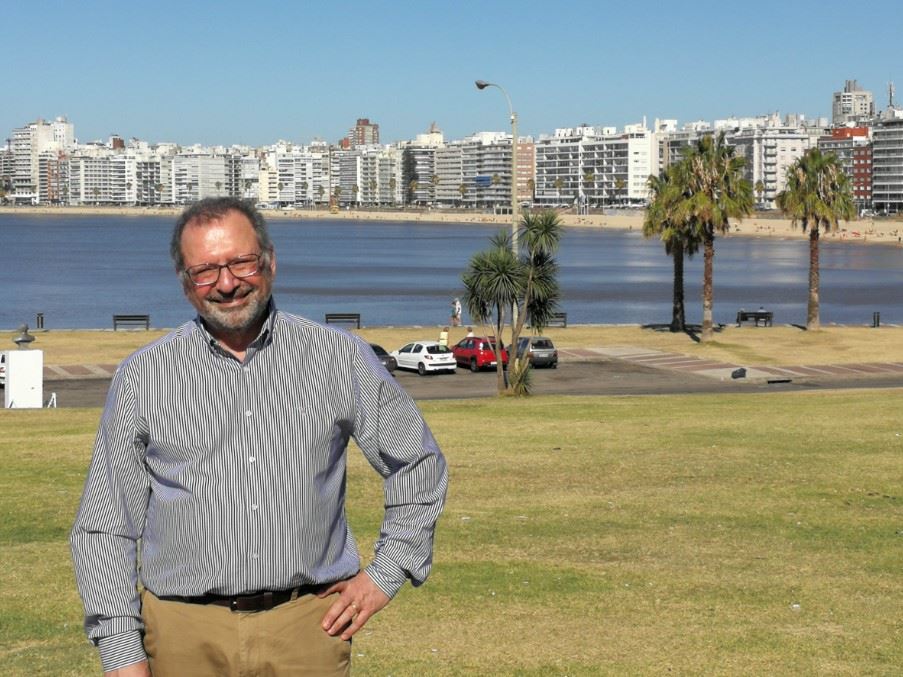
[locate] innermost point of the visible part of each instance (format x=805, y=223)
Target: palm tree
x=393, y=183
x=462, y=189
x=678, y=236
x=498, y=279
x=620, y=185
x=320, y=191
x=817, y=196
x=413, y=185
x=434, y=183
x=559, y=184
x=588, y=179
x=715, y=192
x=760, y=191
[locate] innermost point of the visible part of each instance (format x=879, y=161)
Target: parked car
x=539, y=350
x=388, y=361
x=425, y=356
x=478, y=352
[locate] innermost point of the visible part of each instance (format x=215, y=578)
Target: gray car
x=539, y=349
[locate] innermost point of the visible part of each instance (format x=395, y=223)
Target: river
x=80, y=270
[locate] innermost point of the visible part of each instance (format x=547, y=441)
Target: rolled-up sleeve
x=110, y=520
x=397, y=442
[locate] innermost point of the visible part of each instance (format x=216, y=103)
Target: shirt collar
x=264, y=338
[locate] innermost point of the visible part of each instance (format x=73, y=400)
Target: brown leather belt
x=260, y=601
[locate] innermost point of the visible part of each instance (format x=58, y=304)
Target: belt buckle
x=260, y=602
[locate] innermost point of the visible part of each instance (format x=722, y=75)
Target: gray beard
x=238, y=321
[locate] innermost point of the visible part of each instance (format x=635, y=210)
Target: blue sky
x=254, y=72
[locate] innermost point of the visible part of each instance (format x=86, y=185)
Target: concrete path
x=722, y=370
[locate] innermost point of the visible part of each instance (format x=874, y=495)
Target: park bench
x=344, y=318
x=556, y=320
x=763, y=316
x=131, y=321
x=559, y=320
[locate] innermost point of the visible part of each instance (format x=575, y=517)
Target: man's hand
x=358, y=600
x=134, y=670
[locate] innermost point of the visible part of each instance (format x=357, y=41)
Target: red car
x=478, y=352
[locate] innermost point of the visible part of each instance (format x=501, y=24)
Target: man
x=219, y=465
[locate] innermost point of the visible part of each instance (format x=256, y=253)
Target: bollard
x=876, y=319
x=39, y=321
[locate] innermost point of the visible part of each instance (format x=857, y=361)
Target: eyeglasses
x=206, y=274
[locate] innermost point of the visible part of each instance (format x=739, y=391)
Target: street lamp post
x=482, y=84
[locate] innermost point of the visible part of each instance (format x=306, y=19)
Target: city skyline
x=224, y=74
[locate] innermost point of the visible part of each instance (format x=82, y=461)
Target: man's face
x=231, y=304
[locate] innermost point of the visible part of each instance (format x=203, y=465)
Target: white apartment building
x=596, y=167
x=27, y=144
x=887, y=163
x=198, y=174
x=852, y=105
x=769, y=152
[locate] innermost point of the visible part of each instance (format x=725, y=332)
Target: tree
x=434, y=183
x=715, y=193
x=320, y=192
x=589, y=178
x=620, y=185
x=462, y=189
x=498, y=279
x=817, y=196
x=393, y=184
x=678, y=235
x=559, y=184
x=760, y=191
x=413, y=186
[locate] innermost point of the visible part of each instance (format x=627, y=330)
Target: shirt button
x=248, y=413
x=253, y=506
x=252, y=459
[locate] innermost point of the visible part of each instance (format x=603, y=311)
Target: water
x=80, y=270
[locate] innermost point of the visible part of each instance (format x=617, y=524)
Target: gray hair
x=212, y=208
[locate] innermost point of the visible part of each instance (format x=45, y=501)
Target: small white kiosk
x=24, y=375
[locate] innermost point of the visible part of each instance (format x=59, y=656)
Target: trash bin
x=876, y=319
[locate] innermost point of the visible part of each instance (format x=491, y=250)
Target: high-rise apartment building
x=887, y=163
x=852, y=105
x=364, y=133
x=852, y=146
x=27, y=144
x=769, y=151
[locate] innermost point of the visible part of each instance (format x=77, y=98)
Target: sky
x=256, y=72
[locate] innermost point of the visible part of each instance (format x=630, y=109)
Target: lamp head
x=482, y=84
x=24, y=338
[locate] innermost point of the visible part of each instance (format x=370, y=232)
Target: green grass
x=711, y=534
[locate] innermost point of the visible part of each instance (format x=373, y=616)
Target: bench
x=338, y=318
x=763, y=316
x=556, y=320
x=131, y=321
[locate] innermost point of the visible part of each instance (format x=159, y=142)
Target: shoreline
x=881, y=231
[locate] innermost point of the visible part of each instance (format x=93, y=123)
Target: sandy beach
x=882, y=231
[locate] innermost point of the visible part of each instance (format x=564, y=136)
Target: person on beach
x=220, y=464
x=456, y=312
x=443, y=337
x=469, y=332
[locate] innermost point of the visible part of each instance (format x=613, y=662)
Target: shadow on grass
x=692, y=330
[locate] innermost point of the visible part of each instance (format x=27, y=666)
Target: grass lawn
x=711, y=534
x=747, y=345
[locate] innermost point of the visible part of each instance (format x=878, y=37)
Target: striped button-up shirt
x=231, y=475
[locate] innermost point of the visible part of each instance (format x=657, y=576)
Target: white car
x=425, y=356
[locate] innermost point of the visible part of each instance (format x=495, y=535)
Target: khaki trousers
x=198, y=640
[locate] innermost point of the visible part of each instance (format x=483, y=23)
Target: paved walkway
x=722, y=370
x=655, y=359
